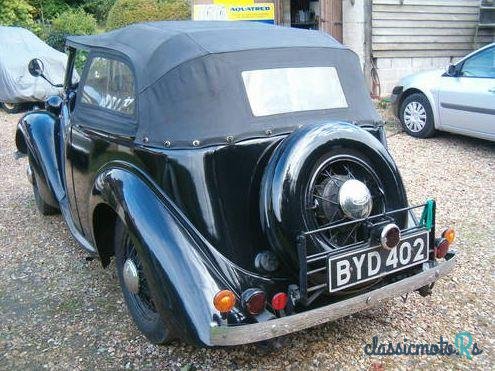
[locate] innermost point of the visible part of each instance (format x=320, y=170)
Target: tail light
x=254, y=301
x=449, y=235
x=442, y=247
x=279, y=301
x=390, y=236
x=224, y=301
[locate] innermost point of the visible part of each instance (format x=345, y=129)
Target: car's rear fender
x=183, y=266
x=37, y=136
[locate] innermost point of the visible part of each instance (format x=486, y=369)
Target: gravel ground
x=59, y=310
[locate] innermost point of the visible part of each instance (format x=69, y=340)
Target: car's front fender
x=184, y=268
x=37, y=136
x=427, y=83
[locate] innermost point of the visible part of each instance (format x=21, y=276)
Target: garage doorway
x=323, y=15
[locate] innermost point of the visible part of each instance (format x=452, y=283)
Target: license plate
x=359, y=266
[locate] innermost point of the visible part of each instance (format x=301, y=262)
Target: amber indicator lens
x=449, y=235
x=224, y=301
x=279, y=301
x=254, y=301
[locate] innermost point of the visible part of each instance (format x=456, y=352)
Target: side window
x=109, y=84
x=480, y=65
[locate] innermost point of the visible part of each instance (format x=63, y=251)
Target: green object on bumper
x=427, y=215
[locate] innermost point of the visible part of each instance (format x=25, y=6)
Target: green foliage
x=48, y=9
x=80, y=61
x=17, y=13
x=125, y=12
x=383, y=103
x=98, y=8
x=75, y=22
x=56, y=40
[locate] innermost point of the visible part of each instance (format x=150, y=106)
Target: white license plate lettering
x=392, y=259
x=419, y=244
x=405, y=253
x=355, y=267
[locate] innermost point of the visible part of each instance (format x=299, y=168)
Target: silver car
x=460, y=100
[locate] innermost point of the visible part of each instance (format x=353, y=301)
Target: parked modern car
x=18, y=89
x=460, y=100
x=238, y=173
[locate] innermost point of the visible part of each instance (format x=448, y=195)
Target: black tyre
x=43, y=207
x=12, y=107
x=139, y=299
x=416, y=116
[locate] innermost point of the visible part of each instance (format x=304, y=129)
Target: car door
x=467, y=100
x=104, y=122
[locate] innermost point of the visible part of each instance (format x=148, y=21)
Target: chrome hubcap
x=131, y=276
x=415, y=116
x=355, y=199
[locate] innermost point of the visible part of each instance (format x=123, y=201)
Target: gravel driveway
x=61, y=310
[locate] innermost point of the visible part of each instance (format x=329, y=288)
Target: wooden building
x=392, y=37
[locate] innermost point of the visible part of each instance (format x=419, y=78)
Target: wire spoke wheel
x=322, y=207
x=142, y=299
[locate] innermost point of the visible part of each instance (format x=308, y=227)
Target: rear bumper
x=243, y=334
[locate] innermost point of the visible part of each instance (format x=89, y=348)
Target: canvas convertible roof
x=190, y=87
x=155, y=48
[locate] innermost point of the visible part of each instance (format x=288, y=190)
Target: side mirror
x=452, y=70
x=36, y=67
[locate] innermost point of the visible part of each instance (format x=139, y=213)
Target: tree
x=17, y=13
x=125, y=12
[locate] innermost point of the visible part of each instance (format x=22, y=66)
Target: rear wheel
x=416, y=116
x=136, y=290
x=12, y=107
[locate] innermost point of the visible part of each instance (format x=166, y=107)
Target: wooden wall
x=425, y=28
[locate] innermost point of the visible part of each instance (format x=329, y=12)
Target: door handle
x=491, y=90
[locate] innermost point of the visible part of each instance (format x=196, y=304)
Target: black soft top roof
x=189, y=84
x=155, y=48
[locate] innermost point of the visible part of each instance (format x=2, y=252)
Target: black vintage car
x=238, y=173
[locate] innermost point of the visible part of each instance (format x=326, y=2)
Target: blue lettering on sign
x=249, y=8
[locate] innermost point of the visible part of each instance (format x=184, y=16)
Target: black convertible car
x=238, y=173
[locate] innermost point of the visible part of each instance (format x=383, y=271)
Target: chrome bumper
x=243, y=334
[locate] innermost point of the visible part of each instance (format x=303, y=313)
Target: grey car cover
x=17, y=47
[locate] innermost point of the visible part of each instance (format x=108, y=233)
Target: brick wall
x=390, y=70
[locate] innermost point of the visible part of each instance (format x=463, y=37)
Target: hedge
x=125, y=12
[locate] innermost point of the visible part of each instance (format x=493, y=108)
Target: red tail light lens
x=254, y=301
x=279, y=301
x=442, y=245
x=390, y=236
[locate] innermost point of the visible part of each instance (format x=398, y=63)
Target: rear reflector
x=254, y=301
x=279, y=301
x=442, y=247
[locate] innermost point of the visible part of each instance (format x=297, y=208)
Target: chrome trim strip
x=243, y=334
